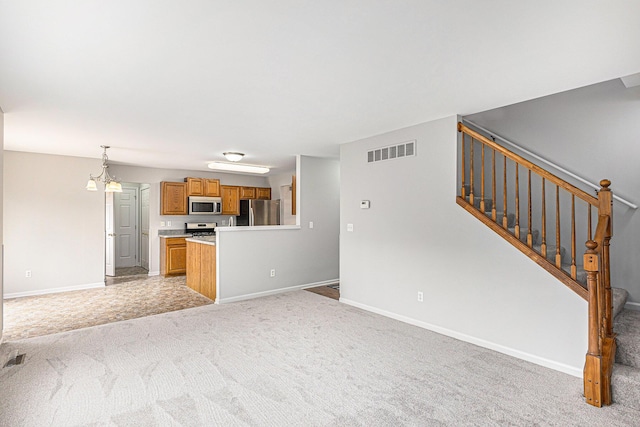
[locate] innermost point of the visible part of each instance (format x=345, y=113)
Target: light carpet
x=289, y=359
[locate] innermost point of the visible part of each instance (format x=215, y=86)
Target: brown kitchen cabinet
x=173, y=198
x=173, y=256
x=247, y=193
x=263, y=193
x=201, y=268
x=203, y=187
x=230, y=199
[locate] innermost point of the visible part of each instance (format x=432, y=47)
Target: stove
x=197, y=229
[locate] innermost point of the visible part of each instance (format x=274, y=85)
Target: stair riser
x=627, y=327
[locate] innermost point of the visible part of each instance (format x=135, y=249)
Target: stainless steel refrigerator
x=259, y=212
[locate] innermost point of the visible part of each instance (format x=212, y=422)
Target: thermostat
x=364, y=204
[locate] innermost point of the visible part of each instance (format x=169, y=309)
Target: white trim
x=54, y=290
x=276, y=291
x=571, y=370
x=154, y=273
x=632, y=306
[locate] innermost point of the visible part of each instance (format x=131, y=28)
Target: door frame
x=138, y=210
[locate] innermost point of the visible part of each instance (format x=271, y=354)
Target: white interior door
x=144, y=227
x=126, y=227
x=109, y=226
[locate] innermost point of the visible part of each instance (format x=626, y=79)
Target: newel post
x=592, y=374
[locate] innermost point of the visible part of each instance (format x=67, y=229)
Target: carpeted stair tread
x=488, y=204
x=627, y=328
x=535, y=234
x=511, y=218
x=625, y=386
x=619, y=296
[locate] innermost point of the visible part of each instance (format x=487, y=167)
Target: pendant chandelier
x=110, y=183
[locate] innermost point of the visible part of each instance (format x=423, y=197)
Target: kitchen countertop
x=206, y=240
x=167, y=236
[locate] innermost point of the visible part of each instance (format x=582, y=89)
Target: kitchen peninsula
x=201, y=265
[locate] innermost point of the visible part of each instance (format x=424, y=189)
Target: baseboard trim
x=54, y=290
x=547, y=363
x=632, y=306
x=154, y=273
x=276, y=291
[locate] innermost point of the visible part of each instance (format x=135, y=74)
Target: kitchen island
x=201, y=265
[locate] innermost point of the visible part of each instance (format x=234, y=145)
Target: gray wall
x=594, y=133
x=301, y=256
x=415, y=238
x=52, y=225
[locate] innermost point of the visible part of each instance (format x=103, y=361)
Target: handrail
x=547, y=162
x=529, y=165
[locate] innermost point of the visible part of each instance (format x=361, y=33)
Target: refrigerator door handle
x=251, y=220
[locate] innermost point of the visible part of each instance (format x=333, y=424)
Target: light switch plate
x=364, y=204
x=349, y=227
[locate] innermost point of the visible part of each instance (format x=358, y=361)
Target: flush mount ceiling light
x=237, y=167
x=110, y=183
x=233, y=156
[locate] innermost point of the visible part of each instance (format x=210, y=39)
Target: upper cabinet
x=230, y=199
x=212, y=187
x=263, y=193
x=203, y=187
x=173, y=198
x=247, y=192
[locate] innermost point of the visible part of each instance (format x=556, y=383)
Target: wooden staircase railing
x=502, y=184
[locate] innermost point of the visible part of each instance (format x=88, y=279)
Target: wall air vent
x=398, y=151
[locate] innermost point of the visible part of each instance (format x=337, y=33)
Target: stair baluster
x=517, y=184
x=482, y=207
x=558, y=247
x=529, y=222
x=505, y=220
x=574, y=269
x=494, y=214
x=543, y=244
x=463, y=171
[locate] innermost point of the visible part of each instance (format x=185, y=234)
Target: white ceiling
x=175, y=83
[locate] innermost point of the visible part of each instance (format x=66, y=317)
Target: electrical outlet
x=162, y=223
x=310, y=224
x=420, y=296
x=168, y=223
x=28, y=273
x=273, y=272
x=349, y=227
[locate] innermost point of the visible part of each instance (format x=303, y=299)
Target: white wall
x=1, y=220
x=476, y=287
x=61, y=239
x=52, y=225
x=594, y=133
x=301, y=256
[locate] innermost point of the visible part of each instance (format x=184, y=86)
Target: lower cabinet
x=201, y=268
x=173, y=256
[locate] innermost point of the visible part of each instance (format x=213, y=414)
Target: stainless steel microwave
x=205, y=205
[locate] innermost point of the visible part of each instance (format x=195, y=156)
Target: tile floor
x=139, y=296
x=33, y=316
